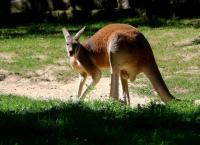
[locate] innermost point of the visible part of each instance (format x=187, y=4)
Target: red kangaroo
x=124, y=50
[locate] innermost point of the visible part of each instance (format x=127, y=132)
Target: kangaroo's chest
x=76, y=64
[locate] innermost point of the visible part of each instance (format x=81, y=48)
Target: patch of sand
x=187, y=42
x=7, y=56
x=43, y=85
x=190, y=70
x=197, y=102
x=190, y=55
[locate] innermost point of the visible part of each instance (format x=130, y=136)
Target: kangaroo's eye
x=67, y=44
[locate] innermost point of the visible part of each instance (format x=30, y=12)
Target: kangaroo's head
x=72, y=42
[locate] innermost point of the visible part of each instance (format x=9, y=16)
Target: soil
x=43, y=85
x=7, y=56
x=187, y=42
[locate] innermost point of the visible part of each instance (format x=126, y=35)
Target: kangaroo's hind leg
x=124, y=81
x=115, y=71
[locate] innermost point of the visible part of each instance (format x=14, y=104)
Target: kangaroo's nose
x=70, y=53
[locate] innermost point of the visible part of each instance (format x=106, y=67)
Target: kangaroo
x=124, y=50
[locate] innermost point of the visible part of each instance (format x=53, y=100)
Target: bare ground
x=188, y=42
x=43, y=84
x=7, y=57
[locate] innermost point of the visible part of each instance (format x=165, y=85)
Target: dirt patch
x=3, y=74
x=7, y=57
x=193, y=70
x=181, y=90
x=191, y=55
x=43, y=85
x=49, y=73
x=187, y=42
x=197, y=102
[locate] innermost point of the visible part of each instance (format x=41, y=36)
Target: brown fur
x=126, y=51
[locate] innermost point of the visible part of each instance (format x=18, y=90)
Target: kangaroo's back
x=127, y=38
x=99, y=41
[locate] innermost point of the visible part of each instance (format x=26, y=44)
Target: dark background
x=21, y=11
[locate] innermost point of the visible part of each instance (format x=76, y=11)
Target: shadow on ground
x=53, y=29
x=100, y=123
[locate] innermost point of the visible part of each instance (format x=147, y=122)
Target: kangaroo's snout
x=71, y=53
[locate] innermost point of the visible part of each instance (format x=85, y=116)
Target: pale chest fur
x=76, y=64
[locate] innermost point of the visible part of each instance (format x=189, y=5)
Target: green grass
x=24, y=121
x=26, y=41
x=27, y=48
x=46, y=40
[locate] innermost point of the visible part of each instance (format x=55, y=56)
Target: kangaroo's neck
x=82, y=52
x=96, y=53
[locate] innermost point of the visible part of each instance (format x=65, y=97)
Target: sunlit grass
x=28, y=48
x=38, y=45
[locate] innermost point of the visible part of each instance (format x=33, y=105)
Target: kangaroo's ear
x=79, y=33
x=65, y=33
